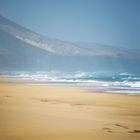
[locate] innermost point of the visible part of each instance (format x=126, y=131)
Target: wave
x=116, y=82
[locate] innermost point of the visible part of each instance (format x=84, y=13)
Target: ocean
x=102, y=82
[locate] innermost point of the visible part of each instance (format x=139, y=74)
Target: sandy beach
x=41, y=112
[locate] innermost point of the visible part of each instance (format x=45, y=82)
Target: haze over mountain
x=22, y=49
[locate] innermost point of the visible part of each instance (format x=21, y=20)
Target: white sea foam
x=123, y=82
x=125, y=74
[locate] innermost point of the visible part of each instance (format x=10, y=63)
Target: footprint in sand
x=81, y=105
x=77, y=104
x=107, y=130
x=122, y=126
x=44, y=100
x=8, y=96
x=49, y=101
x=134, y=131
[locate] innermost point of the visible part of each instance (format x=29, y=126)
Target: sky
x=110, y=22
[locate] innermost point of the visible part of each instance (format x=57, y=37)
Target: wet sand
x=29, y=112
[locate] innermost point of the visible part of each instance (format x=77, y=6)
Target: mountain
x=23, y=49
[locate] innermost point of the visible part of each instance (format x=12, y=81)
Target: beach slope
x=29, y=112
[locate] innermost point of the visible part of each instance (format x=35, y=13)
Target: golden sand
x=29, y=112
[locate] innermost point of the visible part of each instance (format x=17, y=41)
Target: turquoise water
x=108, y=82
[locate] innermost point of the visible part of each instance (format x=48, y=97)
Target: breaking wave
x=99, y=81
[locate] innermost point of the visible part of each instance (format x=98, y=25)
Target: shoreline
x=90, y=89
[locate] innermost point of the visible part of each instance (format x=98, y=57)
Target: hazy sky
x=114, y=22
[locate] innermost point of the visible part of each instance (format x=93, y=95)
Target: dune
x=41, y=112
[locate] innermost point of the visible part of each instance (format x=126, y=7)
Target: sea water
x=103, y=82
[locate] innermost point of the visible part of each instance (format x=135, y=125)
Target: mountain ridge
x=48, y=44
x=22, y=49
